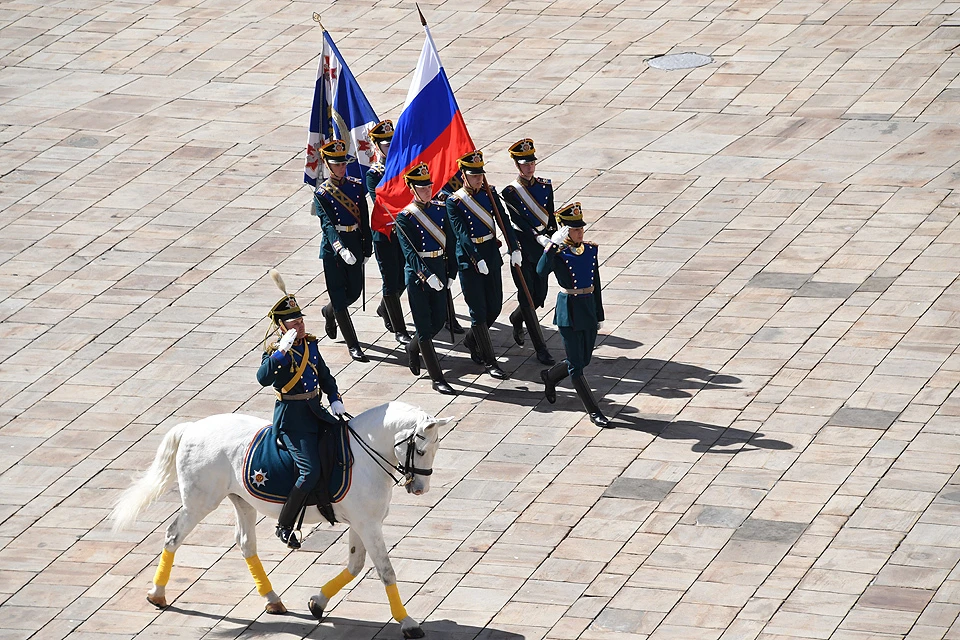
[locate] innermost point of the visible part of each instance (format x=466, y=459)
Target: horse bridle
x=407, y=468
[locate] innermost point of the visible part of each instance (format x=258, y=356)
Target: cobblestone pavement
x=780, y=250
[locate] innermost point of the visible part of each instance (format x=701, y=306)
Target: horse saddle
x=269, y=471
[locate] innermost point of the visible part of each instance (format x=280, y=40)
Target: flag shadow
x=710, y=438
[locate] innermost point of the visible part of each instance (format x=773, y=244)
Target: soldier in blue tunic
x=341, y=204
x=579, y=311
x=530, y=201
x=425, y=240
x=294, y=368
x=454, y=183
x=473, y=219
x=385, y=246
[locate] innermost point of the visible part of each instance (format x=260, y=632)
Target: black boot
x=589, y=402
x=451, y=323
x=551, y=377
x=382, y=312
x=536, y=335
x=482, y=336
x=433, y=368
x=413, y=354
x=471, y=343
x=330, y=321
x=395, y=313
x=350, y=335
x=516, y=319
x=288, y=517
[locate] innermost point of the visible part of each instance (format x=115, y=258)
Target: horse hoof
x=160, y=602
x=415, y=632
x=315, y=609
x=275, y=608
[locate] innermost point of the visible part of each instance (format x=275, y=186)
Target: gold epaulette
x=543, y=180
x=309, y=337
x=271, y=348
x=353, y=180
x=592, y=244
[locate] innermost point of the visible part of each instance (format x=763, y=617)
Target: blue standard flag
x=340, y=110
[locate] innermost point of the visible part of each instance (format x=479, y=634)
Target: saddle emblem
x=259, y=477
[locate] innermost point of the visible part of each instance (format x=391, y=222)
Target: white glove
x=482, y=267
x=544, y=241
x=560, y=235
x=600, y=325
x=336, y=408
x=348, y=256
x=515, y=258
x=434, y=282
x=287, y=341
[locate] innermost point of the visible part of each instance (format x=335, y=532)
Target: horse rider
x=473, y=211
x=579, y=311
x=425, y=240
x=341, y=204
x=530, y=201
x=297, y=372
x=385, y=245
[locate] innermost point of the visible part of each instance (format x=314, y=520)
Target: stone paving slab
x=779, y=243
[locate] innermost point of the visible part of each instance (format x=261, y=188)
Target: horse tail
x=151, y=485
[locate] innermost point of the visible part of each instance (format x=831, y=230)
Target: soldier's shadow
x=336, y=628
x=659, y=378
x=708, y=437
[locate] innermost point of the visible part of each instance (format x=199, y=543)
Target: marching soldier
x=473, y=216
x=385, y=246
x=530, y=201
x=295, y=369
x=579, y=311
x=454, y=183
x=341, y=204
x=425, y=241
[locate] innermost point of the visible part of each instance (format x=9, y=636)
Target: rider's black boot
x=551, y=377
x=392, y=305
x=433, y=367
x=350, y=335
x=589, y=402
x=482, y=336
x=288, y=517
x=536, y=335
x=330, y=321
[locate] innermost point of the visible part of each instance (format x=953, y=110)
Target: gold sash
x=342, y=198
x=303, y=367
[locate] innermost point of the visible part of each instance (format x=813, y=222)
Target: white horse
x=206, y=458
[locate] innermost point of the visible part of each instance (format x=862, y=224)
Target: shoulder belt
x=535, y=207
x=427, y=223
x=303, y=367
x=343, y=199
x=475, y=208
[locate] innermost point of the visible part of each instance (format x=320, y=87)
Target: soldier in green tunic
x=530, y=201
x=453, y=184
x=341, y=204
x=579, y=311
x=385, y=245
x=473, y=210
x=426, y=241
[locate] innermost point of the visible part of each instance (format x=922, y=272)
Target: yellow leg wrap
x=333, y=587
x=162, y=576
x=259, y=575
x=397, y=610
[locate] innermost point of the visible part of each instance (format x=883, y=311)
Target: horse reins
x=406, y=468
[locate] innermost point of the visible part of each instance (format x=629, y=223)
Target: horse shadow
x=335, y=628
x=710, y=438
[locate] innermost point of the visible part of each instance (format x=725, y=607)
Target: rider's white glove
x=336, y=408
x=544, y=241
x=287, y=341
x=348, y=256
x=482, y=267
x=515, y=258
x=434, y=282
x=600, y=325
x=560, y=235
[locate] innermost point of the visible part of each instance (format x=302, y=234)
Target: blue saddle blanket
x=269, y=472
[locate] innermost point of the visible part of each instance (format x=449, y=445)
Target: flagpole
x=316, y=18
x=423, y=20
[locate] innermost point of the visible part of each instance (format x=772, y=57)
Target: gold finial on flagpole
x=423, y=20
x=316, y=18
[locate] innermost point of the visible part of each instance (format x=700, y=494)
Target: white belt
x=540, y=228
x=482, y=239
x=352, y=227
x=577, y=292
x=430, y=254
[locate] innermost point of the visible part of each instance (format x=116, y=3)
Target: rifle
x=503, y=230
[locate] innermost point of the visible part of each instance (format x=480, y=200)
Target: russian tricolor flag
x=430, y=129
